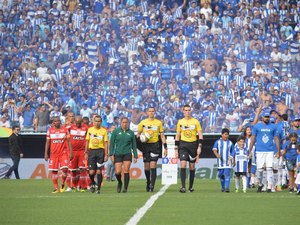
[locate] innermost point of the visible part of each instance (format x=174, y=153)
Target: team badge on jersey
x=265, y=138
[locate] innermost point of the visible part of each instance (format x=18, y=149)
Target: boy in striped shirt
x=223, y=149
x=240, y=163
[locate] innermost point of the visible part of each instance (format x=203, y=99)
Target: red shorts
x=61, y=161
x=78, y=161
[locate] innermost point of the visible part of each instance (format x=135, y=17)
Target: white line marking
x=142, y=211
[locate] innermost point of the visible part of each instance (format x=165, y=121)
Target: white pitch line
x=142, y=211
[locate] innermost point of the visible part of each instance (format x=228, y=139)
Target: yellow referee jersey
x=96, y=137
x=188, y=129
x=152, y=127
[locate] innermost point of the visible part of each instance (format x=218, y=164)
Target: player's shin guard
x=259, y=175
x=227, y=183
x=264, y=178
x=77, y=177
x=147, y=175
x=64, y=174
x=153, y=176
x=270, y=177
x=284, y=176
x=244, y=179
x=126, y=180
x=54, y=177
x=68, y=179
x=279, y=180
x=227, y=179
x=237, y=182
x=99, y=180
x=82, y=179
x=74, y=179
x=192, y=178
x=183, y=176
x=248, y=179
x=275, y=177
x=222, y=181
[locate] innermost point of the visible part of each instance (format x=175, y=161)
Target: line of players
x=259, y=144
x=267, y=154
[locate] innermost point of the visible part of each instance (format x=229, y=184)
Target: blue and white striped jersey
x=224, y=148
x=240, y=156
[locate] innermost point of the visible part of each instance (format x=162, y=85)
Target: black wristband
x=165, y=145
x=200, y=141
x=177, y=143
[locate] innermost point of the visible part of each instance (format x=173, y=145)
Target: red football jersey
x=58, y=141
x=77, y=136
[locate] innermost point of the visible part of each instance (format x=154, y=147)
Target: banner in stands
x=38, y=168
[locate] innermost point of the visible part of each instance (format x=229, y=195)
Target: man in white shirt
x=85, y=111
x=276, y=56
x=258, y=69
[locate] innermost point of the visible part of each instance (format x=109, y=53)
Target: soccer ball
x=144, y=137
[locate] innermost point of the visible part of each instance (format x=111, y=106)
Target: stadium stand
x=223, y=57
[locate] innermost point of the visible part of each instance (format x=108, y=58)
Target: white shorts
x=264, y=159
x=297, y=181
x=277, y=163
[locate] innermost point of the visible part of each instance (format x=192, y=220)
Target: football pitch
x=30, y=202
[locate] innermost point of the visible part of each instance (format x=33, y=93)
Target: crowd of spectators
x=117, y=57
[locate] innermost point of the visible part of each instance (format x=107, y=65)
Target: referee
x=96, y=151
x=151, y=149
x=122, y=143
x=188, y=145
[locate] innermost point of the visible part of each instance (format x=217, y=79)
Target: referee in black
x=16, y=151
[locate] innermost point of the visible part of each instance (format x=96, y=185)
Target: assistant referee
x=151, y=150
x=188, y=145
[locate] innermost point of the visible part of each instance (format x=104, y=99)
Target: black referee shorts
x=188, y=151
x=96, y=156
x=151, y=151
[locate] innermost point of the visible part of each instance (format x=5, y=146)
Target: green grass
x=30, y=202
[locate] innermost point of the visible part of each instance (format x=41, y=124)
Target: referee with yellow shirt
x=188, y=145
x=151, y=149
x=96, y=151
